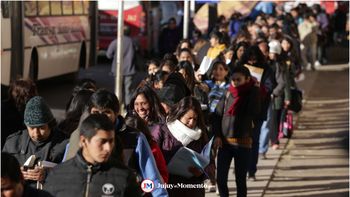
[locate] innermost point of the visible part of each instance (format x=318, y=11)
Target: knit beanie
x=275, y=47
x=37, y=112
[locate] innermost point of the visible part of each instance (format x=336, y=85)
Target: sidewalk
x=275, y=176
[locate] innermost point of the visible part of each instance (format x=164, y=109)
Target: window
x=5, y=9
x=30, y=8
x=67, y=8
x=86, y=7
x=78, y=7
x=44, y=8
x=56, y=8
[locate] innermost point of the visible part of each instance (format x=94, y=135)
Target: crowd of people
x=96, y=151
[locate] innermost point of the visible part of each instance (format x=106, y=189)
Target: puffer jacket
x=78, y=178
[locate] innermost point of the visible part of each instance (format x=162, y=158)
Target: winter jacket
x=216, y=92
x=136, y=152
x=22, y=147
x=169, y=146
x=282, y=90
x=13, y=119
x=239, y=128
x=160, y=161
x=78, y=178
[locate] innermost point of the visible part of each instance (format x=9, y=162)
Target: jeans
x=267, y=127
x=254, y=154
x=241, y=158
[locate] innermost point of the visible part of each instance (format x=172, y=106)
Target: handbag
x=296, y=102
x=286, y=124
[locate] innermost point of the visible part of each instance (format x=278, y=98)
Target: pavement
x=315, y=161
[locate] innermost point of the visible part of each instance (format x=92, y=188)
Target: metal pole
x=192, y=8
x=119, y=54
x=186, y=19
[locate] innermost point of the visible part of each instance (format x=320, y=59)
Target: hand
x=217, y=143
x=204, y=87
x=36, y=174
x=195, y=171
x=286, y=103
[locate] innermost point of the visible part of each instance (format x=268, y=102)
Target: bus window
x=43, y=8
x=78, y=7
x=5, y=9
x=86, y=7
x=56, y=8
x=67, y=7
x=30, y=8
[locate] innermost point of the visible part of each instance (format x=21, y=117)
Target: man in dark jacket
x=41, y=139
x=93, y=172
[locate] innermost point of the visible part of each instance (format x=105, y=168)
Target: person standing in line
x=128, y=67
x=233, y=128
x=93, y=171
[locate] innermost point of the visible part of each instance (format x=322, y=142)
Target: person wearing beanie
x=40, y=138
x=280, y=97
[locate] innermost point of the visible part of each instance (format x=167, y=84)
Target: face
x=10, y=188
x=189, y=119
x=228, y=55
x=214, y=41
x=264, y=48
x=272, y=32
x=240, y=52
x=185, y=45
x=152, y=69
x=285, y=45
x=108, y=112
x=272, y=56
x=166, y=68
x=99, y=148
x=185, y=56
x=166, y=107
x=252, y=61
x=183, y=73
x=38, y=134
x=142, y=106
x=239, y=79
x=220, y=73
x=158, y=84
x=172, y=25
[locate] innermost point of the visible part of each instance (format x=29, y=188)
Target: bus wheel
x=33, y=66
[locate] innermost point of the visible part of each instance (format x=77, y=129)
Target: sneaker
x=308, y=67
x=262, y=156
x=211, y=188
x=251, y=178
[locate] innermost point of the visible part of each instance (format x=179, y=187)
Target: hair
x=290, y=41
x=152, y=61
x=253, y=51
x=178, y=48
x=104, y=99
x=239, y=45
x=169, y=63
x=159, y=76
x=83, y=84
x=218, y=35
x=171, y=57
x=140, y=125
x=157, y=113
x=20, y=91
x=241, y=69
x=10, y=168
x=183, y=106
x=190, y=78
x=74, y=112
x=95, y=122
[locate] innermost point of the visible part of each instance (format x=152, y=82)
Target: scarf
x=239, y=94
x=182, y=133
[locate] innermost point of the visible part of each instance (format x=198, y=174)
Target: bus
x=134, y=17
x=44, y=39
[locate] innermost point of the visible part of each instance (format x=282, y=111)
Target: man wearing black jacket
x=93, y=172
